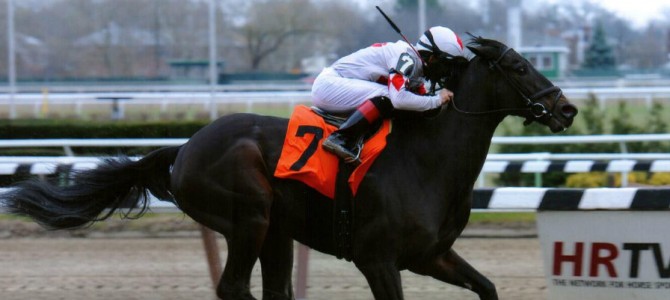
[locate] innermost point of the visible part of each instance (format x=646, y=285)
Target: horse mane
x=480, y=41
x=458, y=65
x=494, y=47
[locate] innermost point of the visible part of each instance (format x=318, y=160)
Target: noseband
x=536, y=108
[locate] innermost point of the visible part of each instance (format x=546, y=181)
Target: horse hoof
x=270, y=295
x=235, y=294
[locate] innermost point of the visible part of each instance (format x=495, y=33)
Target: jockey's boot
x=344, y=141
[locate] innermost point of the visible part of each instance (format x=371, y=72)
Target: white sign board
x=606, y=254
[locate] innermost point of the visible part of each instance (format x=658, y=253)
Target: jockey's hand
x=446, y=96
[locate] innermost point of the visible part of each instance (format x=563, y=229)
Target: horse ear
x=485, y=52
x=476, y=50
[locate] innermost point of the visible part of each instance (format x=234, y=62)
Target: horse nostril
x=569, y=111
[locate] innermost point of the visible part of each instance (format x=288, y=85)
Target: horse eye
x=521, y=70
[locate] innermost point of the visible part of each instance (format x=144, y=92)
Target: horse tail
x=94, y=195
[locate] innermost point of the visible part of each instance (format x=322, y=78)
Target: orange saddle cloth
x=303, y=159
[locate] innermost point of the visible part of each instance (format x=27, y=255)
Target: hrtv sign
x=613, y=255
x=601, y=258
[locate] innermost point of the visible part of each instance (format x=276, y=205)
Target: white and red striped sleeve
x=408, y=69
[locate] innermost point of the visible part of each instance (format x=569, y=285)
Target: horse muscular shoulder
x=404, y=195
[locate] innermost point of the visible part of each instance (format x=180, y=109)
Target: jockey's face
x=440, y=69
x=434, y=67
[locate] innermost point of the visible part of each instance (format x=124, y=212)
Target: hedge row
x=73, y=129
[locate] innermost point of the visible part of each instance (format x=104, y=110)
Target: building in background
x=552, y=62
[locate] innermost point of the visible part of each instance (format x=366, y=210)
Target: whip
x=395, y=27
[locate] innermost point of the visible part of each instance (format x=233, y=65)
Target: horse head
x=517, y=87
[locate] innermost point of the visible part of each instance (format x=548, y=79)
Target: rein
x=537, y=109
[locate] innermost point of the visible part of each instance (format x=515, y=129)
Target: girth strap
x=343, y=213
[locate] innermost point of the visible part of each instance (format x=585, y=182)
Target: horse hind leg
x=235, y=202
x=244, y=234
x=383, y=279
x=449, y=267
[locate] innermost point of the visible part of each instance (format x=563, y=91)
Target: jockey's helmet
x=443, y=54
x=442, y=42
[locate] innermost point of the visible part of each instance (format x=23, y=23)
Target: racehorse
x=411, y=206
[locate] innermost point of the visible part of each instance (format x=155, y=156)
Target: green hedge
x=54, y=129
x=73, y=129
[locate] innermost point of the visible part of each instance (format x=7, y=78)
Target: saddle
x=330, y=118
x=303, y=159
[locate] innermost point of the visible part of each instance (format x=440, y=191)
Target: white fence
x=538, y=162
x=284, y=94
x=621, y=140
x=495, y=163
x=249, y=96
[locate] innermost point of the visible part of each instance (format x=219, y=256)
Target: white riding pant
x=334, y=93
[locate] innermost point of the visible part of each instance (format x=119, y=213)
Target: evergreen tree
x=622, y=123
x=656, y=123
x=413, y=4
x=600, y=54
x=593, y=116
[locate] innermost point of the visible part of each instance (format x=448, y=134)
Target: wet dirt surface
x=139, y=267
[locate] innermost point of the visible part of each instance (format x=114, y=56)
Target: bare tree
x=130, y=38
x=272, y=23
x=647, y=50
x=339, y=30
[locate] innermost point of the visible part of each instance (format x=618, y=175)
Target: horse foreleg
x=277, y=265
x=383, y=279
x=449, y=267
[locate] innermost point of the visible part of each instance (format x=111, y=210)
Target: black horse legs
x=277, y=265
x=384, y=280
x=244, y=246
x=449, y=267
x=231, y=195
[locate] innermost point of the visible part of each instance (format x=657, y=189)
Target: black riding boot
x=343, y=142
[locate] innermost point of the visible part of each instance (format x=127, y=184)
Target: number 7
x=311, y=149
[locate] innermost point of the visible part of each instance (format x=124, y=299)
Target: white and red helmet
x=440, y=41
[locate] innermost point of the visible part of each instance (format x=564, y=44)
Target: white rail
x=620, y=139
x=576, y=156
x=589, y=139
x=131, y=142
x=67, y=145
x=251, y=95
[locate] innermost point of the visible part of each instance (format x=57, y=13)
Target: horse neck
x=473, y=132
x=476, y=93
x=458, y=141
x=468, y=136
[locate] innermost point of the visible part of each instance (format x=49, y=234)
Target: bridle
x=537, y=109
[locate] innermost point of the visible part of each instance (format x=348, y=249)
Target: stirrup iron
x=356, y=160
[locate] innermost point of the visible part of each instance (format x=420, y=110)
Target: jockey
x=375, y=80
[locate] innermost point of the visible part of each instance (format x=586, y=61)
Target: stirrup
x=347, y=156
x=355, y=160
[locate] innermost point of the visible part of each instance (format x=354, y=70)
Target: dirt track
x=175, y=268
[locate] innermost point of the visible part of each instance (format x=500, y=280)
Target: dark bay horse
x=410, y=208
